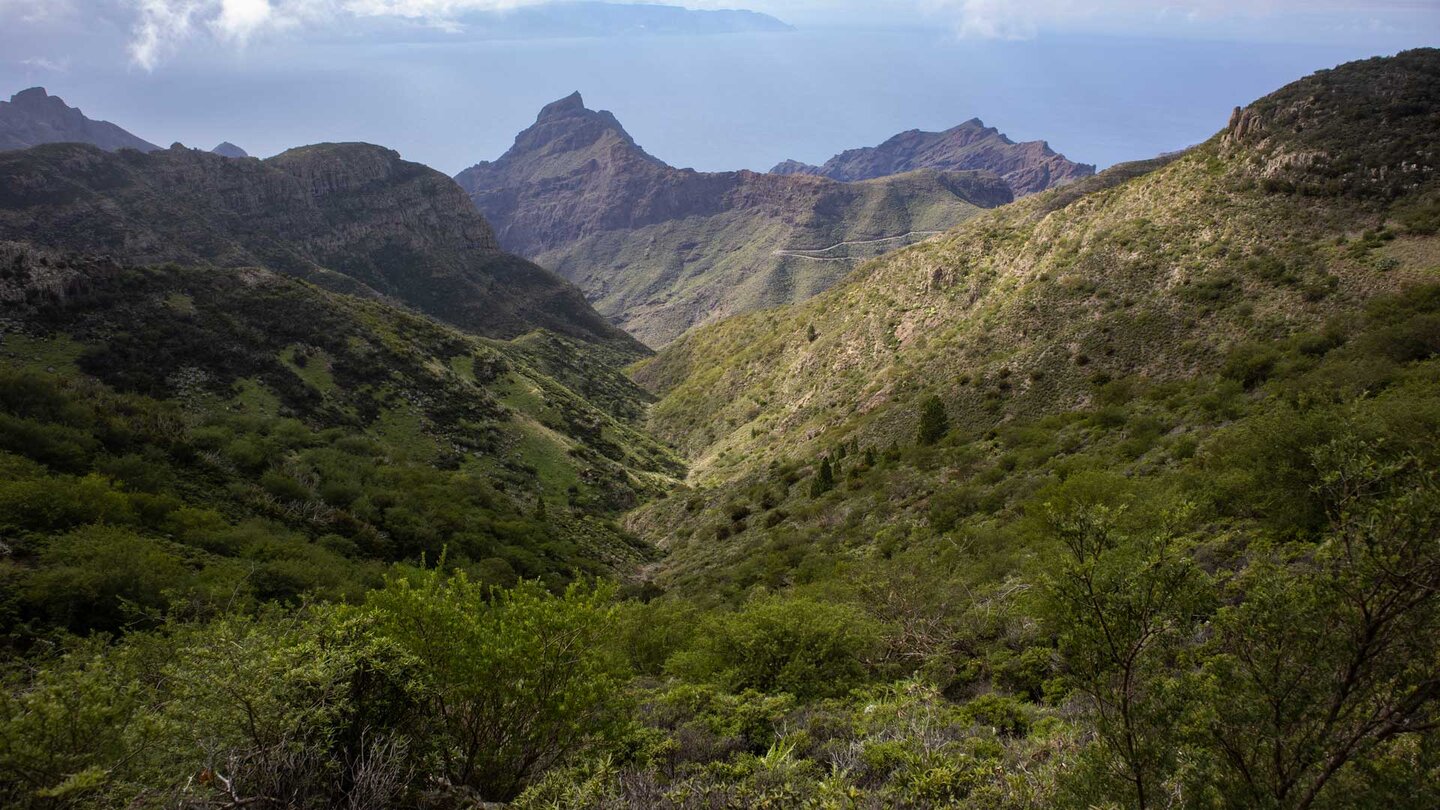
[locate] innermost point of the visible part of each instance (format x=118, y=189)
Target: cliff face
x=32, y=117
x=660, y=249
x=1027, y=167
x=352, y=217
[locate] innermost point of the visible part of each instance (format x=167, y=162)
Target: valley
x=948, y=474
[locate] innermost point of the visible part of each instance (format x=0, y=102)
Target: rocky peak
x=971, y=146
x=35, y=97
x=230, y=150
x=568, y=126
x=572, y=103
x=33, y=116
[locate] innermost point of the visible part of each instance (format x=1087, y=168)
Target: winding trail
x=809, y=254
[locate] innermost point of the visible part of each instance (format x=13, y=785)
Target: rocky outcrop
x=659, y=249
x=230, y=150
x=1027, y=167
x=352, y=217
x=33, y=117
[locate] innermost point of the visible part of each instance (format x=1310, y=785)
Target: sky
x=1101, y=80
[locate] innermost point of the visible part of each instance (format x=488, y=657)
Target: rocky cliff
x=660, y=249
x=32, y=117
x=1027, y=167
x=352, y=217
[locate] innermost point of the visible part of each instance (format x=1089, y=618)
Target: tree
x=824, y=479
x=1327, y=655
x=934, y=423
x=516, y=679
x=1123, y=603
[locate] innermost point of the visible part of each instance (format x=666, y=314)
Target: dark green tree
x=824, y=479
x=934, y=423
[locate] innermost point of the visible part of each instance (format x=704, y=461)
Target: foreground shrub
x=514, y=680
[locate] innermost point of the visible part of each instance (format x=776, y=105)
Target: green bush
x=516, y=680
x=796, y=645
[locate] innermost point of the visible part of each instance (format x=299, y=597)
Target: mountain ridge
x=659, y=249
x=1295, y=159
x=1028, y=167
x=354, y=217
x=33, y=117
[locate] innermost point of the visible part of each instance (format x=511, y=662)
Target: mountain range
x=660, y=249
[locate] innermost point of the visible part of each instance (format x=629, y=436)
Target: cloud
x=50, y=65
x=161, y=26
x=1025, y=19
x=36, y=11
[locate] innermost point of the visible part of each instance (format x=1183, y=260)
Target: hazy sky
x=1103, y=80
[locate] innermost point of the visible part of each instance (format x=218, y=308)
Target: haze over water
x=711, y=102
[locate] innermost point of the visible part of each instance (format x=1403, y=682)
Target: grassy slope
x=1028, y=311
x=217, y=344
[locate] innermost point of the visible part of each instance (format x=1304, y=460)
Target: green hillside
x=1124, y=495
x=326, y=434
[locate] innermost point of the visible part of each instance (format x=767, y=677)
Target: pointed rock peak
x=571, y=103
x=230, y=150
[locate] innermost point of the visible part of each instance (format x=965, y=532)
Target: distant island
x=563, y=20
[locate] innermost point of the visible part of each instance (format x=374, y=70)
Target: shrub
x=517, y=679
x=795, y=645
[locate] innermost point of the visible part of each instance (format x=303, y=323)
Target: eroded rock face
x=660, y=249
x=352, y=217
x=1027, y=167
x=33, y=117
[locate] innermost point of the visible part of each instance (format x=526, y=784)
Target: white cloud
x=1024, y=19
x=240, y=18
x=50, y=65
x=162, y=25
x=36, y=11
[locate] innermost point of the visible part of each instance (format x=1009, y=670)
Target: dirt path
x=810, y=253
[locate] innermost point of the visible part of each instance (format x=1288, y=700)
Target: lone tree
x=934, y=424
x=824, y=479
